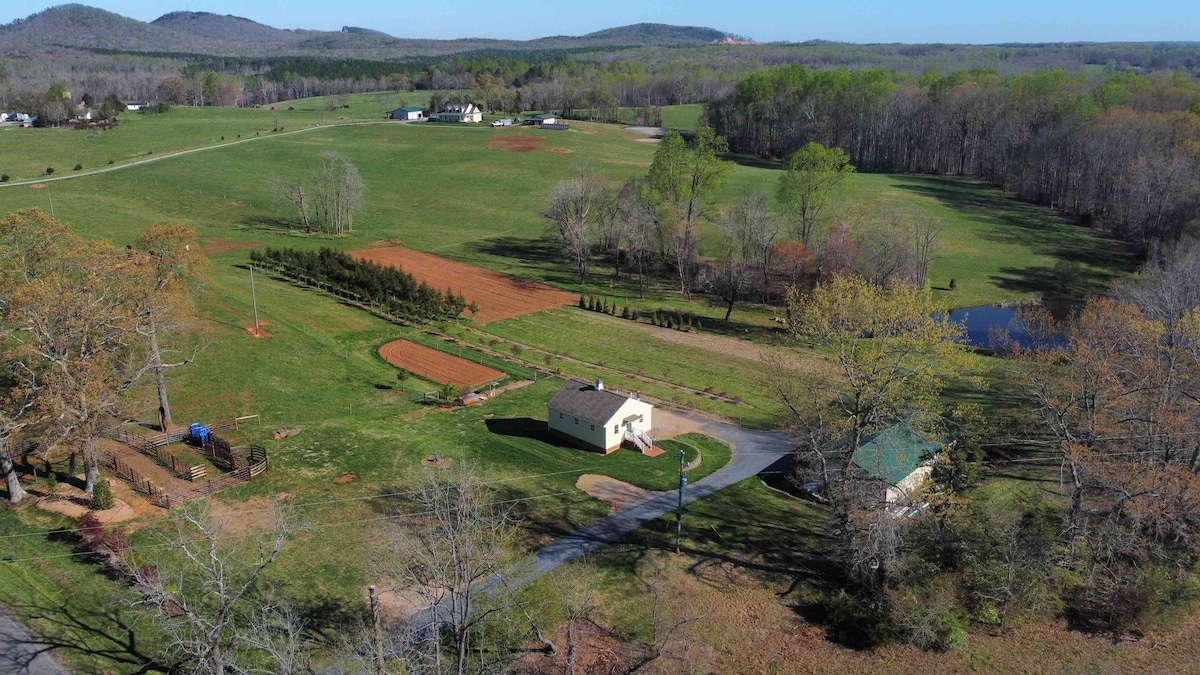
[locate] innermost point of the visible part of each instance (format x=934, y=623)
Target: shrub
x=547, y=359
x=51, y=483
x=953, y=284
x=78, y=167
x=492, y=342
x=102, y=499
x=3, y=178
x=49, y=170
x=111, y=543
x=582, y=302
x=517, y=349
x=222, y=138
x=111, y=162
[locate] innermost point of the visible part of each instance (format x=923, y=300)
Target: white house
x=598, y=419
x=407, y=113
x=460, y=113
x=135, y=105
x=539, y=120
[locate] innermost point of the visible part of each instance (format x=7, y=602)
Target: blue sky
x=972, y=21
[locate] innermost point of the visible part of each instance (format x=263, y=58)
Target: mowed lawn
x=650, y=352
x=455, y=190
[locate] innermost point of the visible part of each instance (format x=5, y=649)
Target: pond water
x=983, y=323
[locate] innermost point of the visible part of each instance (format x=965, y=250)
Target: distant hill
x=652, y=34
x=90, y=28
x=225, y=28
x=81, y=27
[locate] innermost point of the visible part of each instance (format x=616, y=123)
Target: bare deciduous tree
x=571, y=215
x=209, y=593
x=457, y=553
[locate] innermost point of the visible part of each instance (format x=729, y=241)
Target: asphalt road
x=753, y=453
x=20, y=654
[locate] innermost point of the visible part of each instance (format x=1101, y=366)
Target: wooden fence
x=157, y=495
x=163, y=456
x=240, y=466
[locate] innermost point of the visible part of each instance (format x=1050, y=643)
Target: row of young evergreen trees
x=394, y=289
x=676, y=320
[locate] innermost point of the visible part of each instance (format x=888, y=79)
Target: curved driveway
x=753, y=453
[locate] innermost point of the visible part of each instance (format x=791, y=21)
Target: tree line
x=650, y=226
x=1120, y=150
x=1111, y=406
x=82, y=325
x=394, y=289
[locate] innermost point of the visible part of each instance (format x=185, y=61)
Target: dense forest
x=1123, y=149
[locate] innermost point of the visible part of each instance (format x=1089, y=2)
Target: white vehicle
x=502, y=123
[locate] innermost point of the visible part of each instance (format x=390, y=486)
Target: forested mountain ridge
x=203, y=33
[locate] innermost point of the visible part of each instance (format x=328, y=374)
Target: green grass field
x=444, y=189
x=996, y=248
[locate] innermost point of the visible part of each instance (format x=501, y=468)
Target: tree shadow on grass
x=105, y=636
x=271, y=224
x=1024, y=224
x=539, y=254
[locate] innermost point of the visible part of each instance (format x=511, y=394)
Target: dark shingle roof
x=589, y=404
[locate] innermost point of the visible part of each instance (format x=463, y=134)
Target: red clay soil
x=499, y=296
x=437, y=366
x=524, y=143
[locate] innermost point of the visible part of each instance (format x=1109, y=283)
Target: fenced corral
x=162, y=454
x=157, y=495
x=241, y=464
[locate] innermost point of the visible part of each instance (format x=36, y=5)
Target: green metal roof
x=410, y=109
x=893, y=453
x=546, y=116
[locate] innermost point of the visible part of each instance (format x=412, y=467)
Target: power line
x=147, y=547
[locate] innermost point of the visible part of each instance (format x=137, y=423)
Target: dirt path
x=611, y=491
x=180, y=153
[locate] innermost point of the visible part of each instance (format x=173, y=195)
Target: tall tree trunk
x=91, y=466
x=160, y=381
x=15, y=491
x=218, y=660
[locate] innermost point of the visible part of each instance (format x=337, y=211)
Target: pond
x=985, y=322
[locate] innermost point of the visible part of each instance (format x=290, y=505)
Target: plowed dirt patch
x=436, y=366
x=499, y=296
x=219, y=245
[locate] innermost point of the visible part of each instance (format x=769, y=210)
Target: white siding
x=585, y=431
x=602, y=436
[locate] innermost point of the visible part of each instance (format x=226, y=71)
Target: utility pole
x=377, y=625
x=254, y=301
x=679, y=507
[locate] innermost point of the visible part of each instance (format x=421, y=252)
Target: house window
x=560, y=416
x=576, y=421
x=616, y=428
x=641, y=418
x=591, y=427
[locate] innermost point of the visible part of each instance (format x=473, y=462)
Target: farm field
x=498, y=296
x=363, y=434
x=710, y=364
x=996, y=248
x=437, y=366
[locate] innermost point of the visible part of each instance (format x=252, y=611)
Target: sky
x=959, y=21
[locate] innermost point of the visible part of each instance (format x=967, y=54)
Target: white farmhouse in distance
x=598, y=419
x=468, y=112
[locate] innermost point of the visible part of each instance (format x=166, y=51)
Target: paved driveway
x=20, y=654
x=753, y=452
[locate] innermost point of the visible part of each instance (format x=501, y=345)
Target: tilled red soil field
x=499, y=296
x=437, y=366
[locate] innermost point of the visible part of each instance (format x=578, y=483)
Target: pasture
x=455, y=192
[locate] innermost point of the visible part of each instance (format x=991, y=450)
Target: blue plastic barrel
x=199, y=433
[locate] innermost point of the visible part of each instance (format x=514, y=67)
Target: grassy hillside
x=453, y=191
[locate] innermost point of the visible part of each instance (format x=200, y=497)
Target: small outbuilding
x=598, y=419
x=407, y=113
x=898, y=458
x=539, y=120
